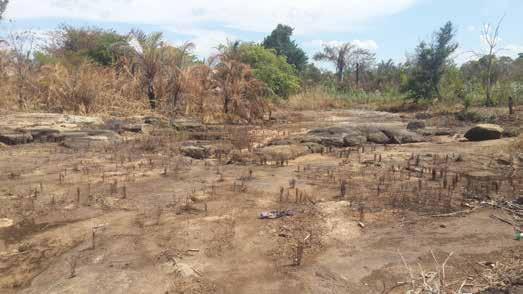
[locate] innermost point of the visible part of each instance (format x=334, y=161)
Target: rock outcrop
x=483, y=132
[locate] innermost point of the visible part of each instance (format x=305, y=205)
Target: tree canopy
x=280, y=76
x=280, y=40
x=338, y=55
x=92, y=43
x=3, y=6
x=429, y=64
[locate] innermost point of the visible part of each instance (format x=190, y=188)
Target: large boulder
x=375, y=135
x=314, y=147
x=330, y=137
x=400, y=136
x=354, y=139
x=358, y=135
x=415, y=125
x=282, y=152
x=196, y=152
x=483, y=132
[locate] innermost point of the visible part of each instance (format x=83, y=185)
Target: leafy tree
x=3, y=6
x=280, y=40
x=338, y=55
x=311, y=75
x=92, y=43
x=280, y=77
x=387, y=76
x=240, y=89
x=430, y=63
x=362, y=59
x=147, y=53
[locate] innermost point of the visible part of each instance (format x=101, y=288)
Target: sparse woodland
x=92, y=70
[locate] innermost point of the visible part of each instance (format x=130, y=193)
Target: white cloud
x=366, y=44
x=307, y=16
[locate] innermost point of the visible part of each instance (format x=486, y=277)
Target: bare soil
x=138, y=217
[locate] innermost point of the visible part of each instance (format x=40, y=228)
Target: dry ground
x=137, y=217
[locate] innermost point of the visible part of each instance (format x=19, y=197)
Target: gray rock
x=123, y=126
x=196, y=152
x=133, y=128
x=278, y=142
x=376, y=136
x=44, y=134
x=330, y=137
x=484, y=132
x=437, y=132
x=416, y=125
x=359, y=135
x=85, y=142
x=399, y=136
x=188, y=125
x=16, y=138
x=354, y=140
x=423, y=115
x=314, y=147
x=282, y=152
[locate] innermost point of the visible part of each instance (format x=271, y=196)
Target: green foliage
x=452, y=85
x=429, y=64
x=311, y=76
x=338, y=55
x=3, y=6
x=87, y=43
x=280, y=77
x=280, y=40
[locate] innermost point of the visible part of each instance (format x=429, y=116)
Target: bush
x=280, y=77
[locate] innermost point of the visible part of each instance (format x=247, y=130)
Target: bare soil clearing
x=135, y=215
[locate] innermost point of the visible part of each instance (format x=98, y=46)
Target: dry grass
x=210, y=93
x=316, y=99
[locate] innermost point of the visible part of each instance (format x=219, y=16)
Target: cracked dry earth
x=138, y=217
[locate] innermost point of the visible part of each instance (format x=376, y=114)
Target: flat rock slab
x=348, y=136
x=73, y=130
x=51, y=120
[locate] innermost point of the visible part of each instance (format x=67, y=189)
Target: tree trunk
x=226, y=102
x=488, y=101
x=151, y=95
x=357, y=75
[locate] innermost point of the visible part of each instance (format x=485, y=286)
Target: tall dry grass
x=85, y=88
x=316, y=99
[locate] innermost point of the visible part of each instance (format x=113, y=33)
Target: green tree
x=147, y=53
x=280, y=76
x=92, y=43
x=3, y=6
x=338, y=55
x=362, y=60
x=430, y=62
x=280, y=40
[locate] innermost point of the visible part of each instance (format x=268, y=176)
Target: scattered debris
x=276, y=214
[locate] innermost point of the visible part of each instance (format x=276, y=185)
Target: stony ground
x=123, y=206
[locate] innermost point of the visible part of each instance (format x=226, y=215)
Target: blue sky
x=390, y=28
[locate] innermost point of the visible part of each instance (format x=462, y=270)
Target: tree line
x=243, y=76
